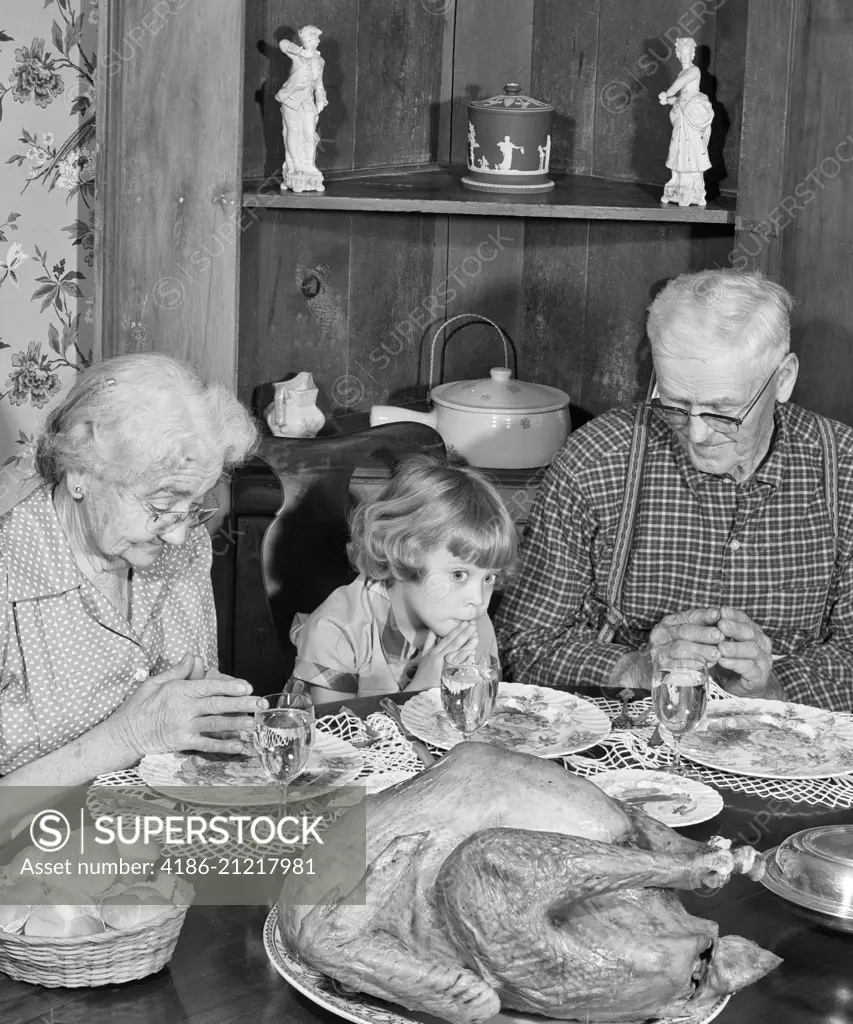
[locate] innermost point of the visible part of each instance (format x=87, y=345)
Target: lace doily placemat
x=388, y=759
x=629, y=748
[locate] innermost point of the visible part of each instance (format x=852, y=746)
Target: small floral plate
x=226, y=780
x=671, y=799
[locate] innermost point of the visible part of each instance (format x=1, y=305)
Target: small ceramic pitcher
x=294, y=412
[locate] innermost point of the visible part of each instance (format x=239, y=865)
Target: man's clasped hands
x=737, y=652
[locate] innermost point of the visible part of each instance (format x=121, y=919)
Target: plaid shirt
x=764, y=546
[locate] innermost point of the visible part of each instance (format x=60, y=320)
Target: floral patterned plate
x=530, y=719
x=364, y=1009
x=333, y=763
x=771, y=740
x=674, y=800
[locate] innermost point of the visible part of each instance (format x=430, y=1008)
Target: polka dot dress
x=68, y=658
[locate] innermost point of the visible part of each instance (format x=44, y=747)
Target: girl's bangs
x=488, y=545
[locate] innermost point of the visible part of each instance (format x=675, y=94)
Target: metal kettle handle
x=463, y=316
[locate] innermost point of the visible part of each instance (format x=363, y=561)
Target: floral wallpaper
x=47, y=185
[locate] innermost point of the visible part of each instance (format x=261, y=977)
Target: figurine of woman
x=691, y=118
x=302, y=97
x=506, y=147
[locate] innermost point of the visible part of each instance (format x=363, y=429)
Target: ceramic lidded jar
x=509, y=143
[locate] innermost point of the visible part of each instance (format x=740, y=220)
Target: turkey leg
x=548, y=867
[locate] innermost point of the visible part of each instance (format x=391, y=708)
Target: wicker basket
x=105, y=958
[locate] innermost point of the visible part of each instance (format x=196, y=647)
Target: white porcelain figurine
x=302, y=97
x=691, y=118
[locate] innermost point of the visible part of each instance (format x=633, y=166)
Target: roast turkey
x=500, y=880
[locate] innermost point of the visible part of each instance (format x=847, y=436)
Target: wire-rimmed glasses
x=162, y=520
x=679, y=418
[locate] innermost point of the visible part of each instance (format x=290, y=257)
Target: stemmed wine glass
x=679, y=698
x=283, y=738
x=469, y=689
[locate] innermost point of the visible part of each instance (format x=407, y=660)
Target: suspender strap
x=830, y=486
x=830, y=471
x=627, y=517
x=631, y=498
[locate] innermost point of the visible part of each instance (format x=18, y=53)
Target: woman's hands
x=463, y=637
x=179, y=710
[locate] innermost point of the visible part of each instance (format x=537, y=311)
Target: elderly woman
x=108, y=629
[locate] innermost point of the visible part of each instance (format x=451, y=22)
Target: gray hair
x=723, y=308
x=140, y=416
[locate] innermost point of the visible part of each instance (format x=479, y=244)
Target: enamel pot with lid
x=495, y=423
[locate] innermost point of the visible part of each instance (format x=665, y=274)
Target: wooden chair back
x=303, y=552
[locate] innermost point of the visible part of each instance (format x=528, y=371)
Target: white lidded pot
x=497, y=422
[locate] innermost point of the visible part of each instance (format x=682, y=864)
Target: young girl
x=429, y=550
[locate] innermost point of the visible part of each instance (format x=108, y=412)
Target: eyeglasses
x=163, y=520
x=679, y=418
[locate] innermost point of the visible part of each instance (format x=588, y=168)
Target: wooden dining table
x=220, y=973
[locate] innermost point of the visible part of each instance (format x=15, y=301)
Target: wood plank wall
x=170, y=183
x=815, y=215
x=327, y=292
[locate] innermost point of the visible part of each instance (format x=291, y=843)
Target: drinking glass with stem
x=679, y=699
x=283, y=738
x=469, y=689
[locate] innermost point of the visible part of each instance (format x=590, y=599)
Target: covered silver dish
x=813, y=870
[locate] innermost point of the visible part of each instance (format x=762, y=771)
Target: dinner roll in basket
x=16, y=901
x=135, y=906
x=66, y=942
x=62, y=915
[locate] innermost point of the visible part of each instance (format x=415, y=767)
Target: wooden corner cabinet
x=203, y=256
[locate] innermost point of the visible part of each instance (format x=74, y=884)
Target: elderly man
x=713, y=523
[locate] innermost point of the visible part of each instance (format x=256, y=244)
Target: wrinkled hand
x=463, y=637
x=183, y=709
x=746, y=658
x=690, y=636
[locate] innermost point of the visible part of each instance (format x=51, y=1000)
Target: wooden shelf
x=438, y=190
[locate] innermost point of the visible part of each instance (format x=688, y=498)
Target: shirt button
x=140, y=675
x=735, y=545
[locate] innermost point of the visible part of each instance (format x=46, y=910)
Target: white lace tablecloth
x=390, y=760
